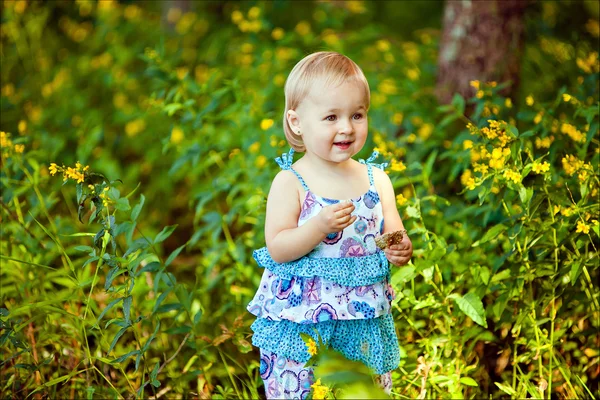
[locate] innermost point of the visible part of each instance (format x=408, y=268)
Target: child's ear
x=294, y=121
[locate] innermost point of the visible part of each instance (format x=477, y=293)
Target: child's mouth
x=343, y=145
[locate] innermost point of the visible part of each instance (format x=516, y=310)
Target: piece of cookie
x=390, y=238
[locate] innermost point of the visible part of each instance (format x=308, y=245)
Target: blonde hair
x=329, y=67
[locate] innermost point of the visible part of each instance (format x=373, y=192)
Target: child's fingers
x=344, y=205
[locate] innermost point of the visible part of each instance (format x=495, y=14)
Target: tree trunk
x=481, y=40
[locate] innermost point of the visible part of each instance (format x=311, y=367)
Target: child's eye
x=330, y=118
x=359, y=115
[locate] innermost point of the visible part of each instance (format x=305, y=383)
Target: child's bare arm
x=286, y=241
x=398, y=254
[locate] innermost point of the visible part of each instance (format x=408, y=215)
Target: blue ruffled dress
x=341, y=288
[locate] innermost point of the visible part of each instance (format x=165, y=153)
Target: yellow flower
x=544, y=142
x=475, y=84
x=356, y=6
x=266, y=124
x=397, y=118
x=254, y=13
x=401, y=200
x=412, y=74
x=22, y=126
x=383, y=45
x=529, y=100
x=134, y=127
x=571, y=164
x=512, y=175
x=303, y=28
x=261, y=161
x=237, y=17
x=19, y=148
x=508, y=103
x=254, y=147
x=177, y=135
x=425, y=131
x=53, y=169
x=540, y=168
x=480, y=168
x=566, y=97
x=312, y=347
x=277, y=33
x=480, y=94
x=538, y=118
x=397, y=166
x=582, y=227
x=319, y=391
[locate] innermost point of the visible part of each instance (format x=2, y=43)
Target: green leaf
x=575, y=270
x=506, y=389
x=116, y=338
x=491, y=234
x=174, y=255
x=165, y=233
x=459, y=103
x=135, y=213
x=108, y=307
x=151, y=338
x=125, y=356
x=472, y=306
x=465, y=380
x=403, y=275
x=122, y=204
x=127, y=308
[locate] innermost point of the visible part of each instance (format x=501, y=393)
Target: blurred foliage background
x=138, y=141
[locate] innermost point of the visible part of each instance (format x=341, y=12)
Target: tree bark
x=481, y=40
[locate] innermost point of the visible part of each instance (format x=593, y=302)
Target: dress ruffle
x=371, y=341
x=345, y=271
x=313, y=300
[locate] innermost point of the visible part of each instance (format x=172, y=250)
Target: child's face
x=332, y=121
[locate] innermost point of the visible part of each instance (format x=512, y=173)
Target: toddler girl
x=323, y=269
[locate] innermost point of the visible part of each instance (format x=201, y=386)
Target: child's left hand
x=400, y=254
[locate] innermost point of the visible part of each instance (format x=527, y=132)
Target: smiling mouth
x=342, y=143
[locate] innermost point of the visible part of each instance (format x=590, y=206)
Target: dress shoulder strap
x=370, y=164
x=285, y=163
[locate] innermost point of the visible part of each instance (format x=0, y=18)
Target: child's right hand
x=336, y=217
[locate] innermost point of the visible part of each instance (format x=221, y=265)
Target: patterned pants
x=288, y=379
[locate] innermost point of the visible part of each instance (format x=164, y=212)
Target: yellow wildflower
x=512, y=175
x=277, y=33
x=254, y=13
x=311, y=347
x=237, y=16
x=544, y=142
x=319, y=391
x=567, y=211
x=508, y=103
x=266, y=124
x=480, y=94
x=19, y=148
x=540, y=168
x=401, y=200
x=582, y=227
x=397, y=166
x=303, y=28
x=529, y=100
x=411, y=138
x=480, y=168
x=425, y=131
x=467, y=144
x=572, y=132
x=53, y=169
x=467, y=179
x=538, y=118
x=254, y=147
x=571, y=164
x=383, y=45
x=475, y=84
x=22, y=126
x=177, y=135
x=261, y=161
x=566, y=97
x=397, y=118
